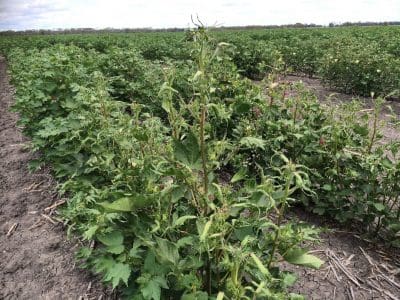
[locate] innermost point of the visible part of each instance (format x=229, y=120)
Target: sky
x=53, y=14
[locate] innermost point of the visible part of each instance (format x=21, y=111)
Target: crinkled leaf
x=128, y=204
x=288, y=279
x=252, y=142
x=167, y=251
x=152, y=289
x=180, y=221
x=136, y=251
x=240, y=175
x=204, y=231
x=117, y=273
x=187, y=240
x=88, y=234
x=195, y=296
x=260, y=265
x=111, y=238
x=301, y=257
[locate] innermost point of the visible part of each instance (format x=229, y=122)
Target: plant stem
x=203, y=113
x=374, y=128
x=203, y=149
x=295, y=112
x=207, y=276
x=278, y=224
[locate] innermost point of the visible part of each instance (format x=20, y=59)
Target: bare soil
x=36, y=258
x=354, y=268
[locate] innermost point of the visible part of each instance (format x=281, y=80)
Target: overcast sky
x=51, y=14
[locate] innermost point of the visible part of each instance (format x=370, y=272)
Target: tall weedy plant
x=232, y=230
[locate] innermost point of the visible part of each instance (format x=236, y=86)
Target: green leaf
x=220, y=296
x=123, y=204
x=35, y=165
x=252, y=142
x=136, y=251
x=180, y=221
x=205, y=230
x=50, y=87
x=150, y=264
x=103, y=264
x=242, y=232
x=197, y=75
x=327, y=187
x=115, y=249
x=152, y=289
x=187, y=240
x=128, y=204
x=117, y=273
x=195, y=296
x=240, y=175
x=301, y=257
x=219, y=110
x=298, y=136
x=111, y=238
x=167, y=251
x=88, y=234
x=187, y=151
x=141, y=136
x=379, y=206
x=367, y=188
x=241, y=107
x=177, y=193
x=361, y=130
x=293, y=296
x=166, y=105
x=387, y=163
x=395, y=227
x=114, y=242
x=288, y=279
x=260, y=265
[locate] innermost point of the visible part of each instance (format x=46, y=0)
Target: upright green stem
x=295, y=112
x=374, y=129
x=203, y=89
x=278, y=224
x=203, y=113
x=377, y=109
x=235, y=273
x=203, y=149
x=208, y=275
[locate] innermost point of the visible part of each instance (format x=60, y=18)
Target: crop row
x=182, y=171
x=352, y=60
